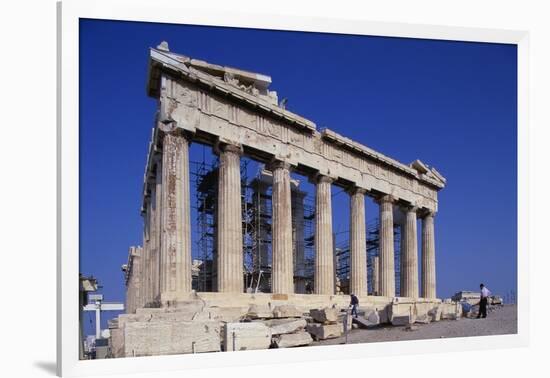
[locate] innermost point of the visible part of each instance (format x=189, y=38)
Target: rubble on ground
x=282, y=326
x=324, y=315
x=195, y=327
x=324, y=331
x=287, y=311
x=288, y=340
x=246, y=336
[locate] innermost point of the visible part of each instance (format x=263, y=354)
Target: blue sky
x=450, y=104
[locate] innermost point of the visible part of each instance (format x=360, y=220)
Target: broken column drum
x=236, y=113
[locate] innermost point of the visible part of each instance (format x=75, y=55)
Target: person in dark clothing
x=354, y=303
x=484, y=297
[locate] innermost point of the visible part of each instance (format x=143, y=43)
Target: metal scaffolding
x=257, y=218
x=342, y=256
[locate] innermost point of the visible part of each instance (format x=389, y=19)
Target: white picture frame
x=69, y=13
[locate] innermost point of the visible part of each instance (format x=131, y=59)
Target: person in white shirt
x=484, y=297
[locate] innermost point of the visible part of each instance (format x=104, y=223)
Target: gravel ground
x=500, y=321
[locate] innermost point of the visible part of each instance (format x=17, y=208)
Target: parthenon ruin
x=236, y=113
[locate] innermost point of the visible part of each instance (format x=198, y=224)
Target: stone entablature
x=215, y=110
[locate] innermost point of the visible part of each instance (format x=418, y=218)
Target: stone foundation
x=238, y=321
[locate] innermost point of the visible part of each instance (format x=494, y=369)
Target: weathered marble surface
x=358, y=241
x=281, y=326
x=229, y=240
x=324, y=331
x=428, y=257
x=324, y=259
x=175, y=263
x=293, y=339
x=386, y=258
x=161, y=338
x=246, y=336
x=324, y=315
x=282, y=260
x=409, y=255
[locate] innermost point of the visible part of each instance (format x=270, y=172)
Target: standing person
x=484, y=296
x=354, y=303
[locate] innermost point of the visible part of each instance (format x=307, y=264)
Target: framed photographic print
x=306, y=188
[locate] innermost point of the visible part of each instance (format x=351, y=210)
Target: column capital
x=426, y=213
x=169, y=129
x=356, y=190
x=386, y=198
x=321, y=178
x=409, y=209
x=227, y=146
x=278, y=164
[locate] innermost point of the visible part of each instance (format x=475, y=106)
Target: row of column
x=167, y=237
x=133, y=280
x=409, y=253
x=383, y=265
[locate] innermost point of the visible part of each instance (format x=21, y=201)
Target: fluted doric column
x=358, y=242
x=299, y=244
x=148, y=248
x=230, y=235
x=428, y=256
x=387, y=264
x=132, y=280
x=261, y=256
x=409, y=255
x=324, y=259
x=158, y=227
x=176, y=218
x=282, y=263
x=144, y=273
x=375, y=279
